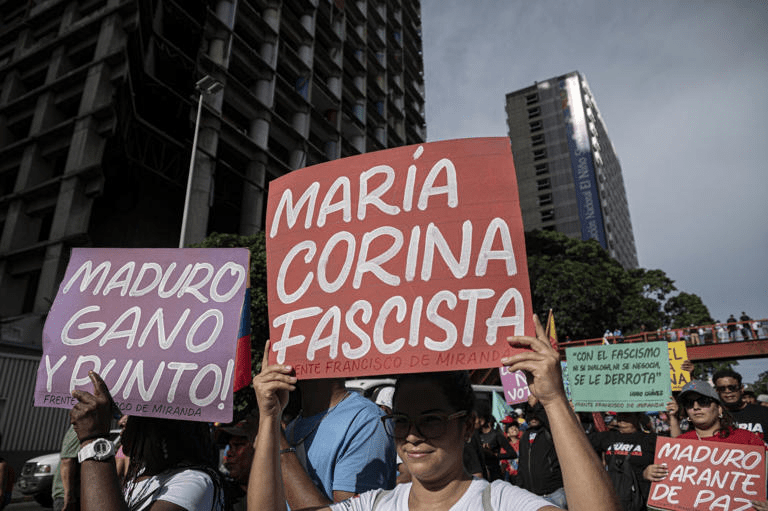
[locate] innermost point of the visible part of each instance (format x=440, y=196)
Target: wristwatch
x=100, y=449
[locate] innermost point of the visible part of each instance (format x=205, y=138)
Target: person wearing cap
x=633, y=441
x=512, y=432
x=384, y=398
x=762, y=400
x=751, y=417
x=239, y=456
x=711, y=422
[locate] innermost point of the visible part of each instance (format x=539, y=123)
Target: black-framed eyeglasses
x=429, y=425
x=727, y=388
x=704, y=402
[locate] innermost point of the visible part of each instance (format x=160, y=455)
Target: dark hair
x=483, y=410
x=156, y=445
x=510, y=425
x=726, y=373
x=748, y=393
x=456, y=387
x=639, y=420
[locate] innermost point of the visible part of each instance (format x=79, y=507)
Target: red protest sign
x=406, y=259
x=708, y=475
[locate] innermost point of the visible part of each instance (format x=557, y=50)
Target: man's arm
x=91, y=416
x=268, y=482
x=68, y=468
x=300, y=490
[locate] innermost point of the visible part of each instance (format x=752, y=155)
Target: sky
x=683, y=90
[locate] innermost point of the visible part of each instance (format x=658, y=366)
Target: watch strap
x=105, y=451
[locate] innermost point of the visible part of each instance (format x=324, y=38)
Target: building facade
x=568, y=174
x=98, y=112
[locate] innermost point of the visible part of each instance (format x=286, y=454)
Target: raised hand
x=272, y=386
x=92, y=415
x=541, y=365
x=672, y=407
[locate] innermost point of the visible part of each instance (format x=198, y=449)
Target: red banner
x=708, y=475
x=409, y=259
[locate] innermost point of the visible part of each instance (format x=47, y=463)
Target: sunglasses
x=727, y=388
x=429, y=425
x=704, y=402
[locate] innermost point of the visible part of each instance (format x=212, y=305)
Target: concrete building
x=568, y=174
x=98, y=108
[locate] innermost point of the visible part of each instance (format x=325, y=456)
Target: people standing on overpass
x=733, y=327
x=746, y=326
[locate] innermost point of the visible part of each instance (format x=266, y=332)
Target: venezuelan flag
x=242, y=375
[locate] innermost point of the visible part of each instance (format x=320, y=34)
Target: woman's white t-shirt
x=191, y=489
x=504, y=496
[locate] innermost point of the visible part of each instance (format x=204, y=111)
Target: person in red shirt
x=512, y=431
x=711, y=423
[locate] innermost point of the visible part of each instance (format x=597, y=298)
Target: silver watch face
x=102, y=449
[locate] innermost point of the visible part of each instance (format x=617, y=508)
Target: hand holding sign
x=655, y=472
x=272, y=386
x=408, y=259
x=92, y=414
x=542, y=364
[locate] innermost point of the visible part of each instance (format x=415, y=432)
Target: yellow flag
x=550, y=330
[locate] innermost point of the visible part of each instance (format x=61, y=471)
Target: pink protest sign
x=409, y=259
x=159, y=325
x=515, y=386
x=708, y=475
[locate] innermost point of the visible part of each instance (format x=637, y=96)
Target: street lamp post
x=206, y=85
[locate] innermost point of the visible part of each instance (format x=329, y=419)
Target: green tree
x=590, y=292
x=761, y=385
x=687, y=309
x=577, y=279
x=244, y=399
x=643, y=297
x=705, y=370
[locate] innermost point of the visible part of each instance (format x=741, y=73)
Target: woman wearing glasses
x=432, y=420
x=711, y=422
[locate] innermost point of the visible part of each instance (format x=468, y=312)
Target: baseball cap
x=699, y=387
x=385, y=395
x=247, y=427
x=763, y=398
x=508, y=420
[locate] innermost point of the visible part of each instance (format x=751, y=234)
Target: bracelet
x=287, y=450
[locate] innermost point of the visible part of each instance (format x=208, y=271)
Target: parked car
x=36, y=476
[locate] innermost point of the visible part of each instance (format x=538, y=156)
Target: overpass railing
x=718, y=333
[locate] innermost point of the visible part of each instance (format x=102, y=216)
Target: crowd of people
x=426, y=443
x=732, y=330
